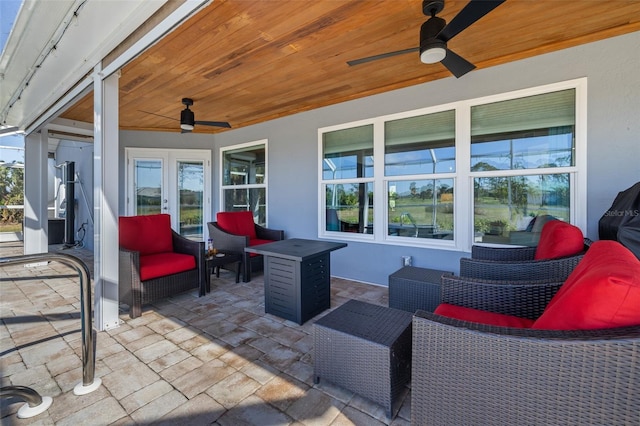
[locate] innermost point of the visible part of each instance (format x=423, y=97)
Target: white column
x=35, y=193
x=105, y=199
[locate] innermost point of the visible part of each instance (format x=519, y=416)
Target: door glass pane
x=190, y=194
x=148, y=187
x=421, y=209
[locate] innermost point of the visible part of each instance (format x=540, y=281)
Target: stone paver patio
x=217, y=359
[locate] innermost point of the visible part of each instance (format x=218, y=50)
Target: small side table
x=365, y=348
x=213, y=262
x=412, y=288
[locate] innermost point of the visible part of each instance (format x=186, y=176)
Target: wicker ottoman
x=367, y=349
x=412, y=288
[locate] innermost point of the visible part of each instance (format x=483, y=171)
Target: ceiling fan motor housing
x=429, y=41
x=187, y=117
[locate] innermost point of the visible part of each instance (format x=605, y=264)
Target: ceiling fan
x=435, y=33
x=187, y=118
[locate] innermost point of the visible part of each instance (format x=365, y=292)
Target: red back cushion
x=559, y=239
x=146, y=234
x=237, y=223
x=603, y=291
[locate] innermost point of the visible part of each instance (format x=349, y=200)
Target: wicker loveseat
x=465, y=372
x=234, y=231
x=155, y=261
x=559, y=250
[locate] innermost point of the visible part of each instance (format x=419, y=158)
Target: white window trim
x=463, y=176
x=265, y=184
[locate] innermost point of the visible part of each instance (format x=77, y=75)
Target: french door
x=176, y=182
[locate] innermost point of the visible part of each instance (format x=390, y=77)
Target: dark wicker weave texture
x=412, y=288
x=367, y=349
x=136, y=293
x=237, y=243
x=522, y=299
x=472, y=374
x=517, y=264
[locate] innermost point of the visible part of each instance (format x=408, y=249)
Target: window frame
x=463, y=177
x=264, y=185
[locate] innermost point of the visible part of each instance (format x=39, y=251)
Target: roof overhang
x=73, y=36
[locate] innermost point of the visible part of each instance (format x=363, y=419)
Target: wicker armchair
x=225, y=240
x=135, y=292
x=467, y=373
x=517, y=264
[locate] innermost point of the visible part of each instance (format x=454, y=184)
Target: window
x=490, y=170
x=244, y=180
x=347, y=172
x=516, y=137
x=418, y=150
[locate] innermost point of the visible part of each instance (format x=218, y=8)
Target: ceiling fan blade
x=381, y=56
x=163, y=116
x=456, y=64
x=214, y=123
x=469, y=14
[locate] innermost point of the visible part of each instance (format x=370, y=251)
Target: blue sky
x=8, y=12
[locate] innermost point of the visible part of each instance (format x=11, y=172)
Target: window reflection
x=244, y=181
x=420, y=145
x=421, y=209
x=512, y=210
x=148, y=186
x=349, y=207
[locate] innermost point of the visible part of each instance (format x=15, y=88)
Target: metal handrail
x=88, y=349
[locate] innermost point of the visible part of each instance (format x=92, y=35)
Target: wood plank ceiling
x=247, y=62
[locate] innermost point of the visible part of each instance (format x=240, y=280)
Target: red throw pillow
x=603, y=291
x=146, y=234
x=559, y=239
x=482, y=317
x=237, y=223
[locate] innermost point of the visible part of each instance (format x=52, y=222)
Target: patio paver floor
x=217, y=359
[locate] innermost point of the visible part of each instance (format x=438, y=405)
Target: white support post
x=105, y=199
x=35, y=193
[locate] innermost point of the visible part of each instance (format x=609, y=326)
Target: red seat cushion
x=146, y=234
x=237, y=223
x=482, y=317
x=163, y=264
x=603, y=291
x=559, y=239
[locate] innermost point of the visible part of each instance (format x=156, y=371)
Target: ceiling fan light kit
x=433, y=52
x=435, y=33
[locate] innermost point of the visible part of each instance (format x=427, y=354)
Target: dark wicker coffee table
x=367, y=349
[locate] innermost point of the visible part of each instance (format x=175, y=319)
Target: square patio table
x=412, y=288
x=365, y=348
x=297, y=279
